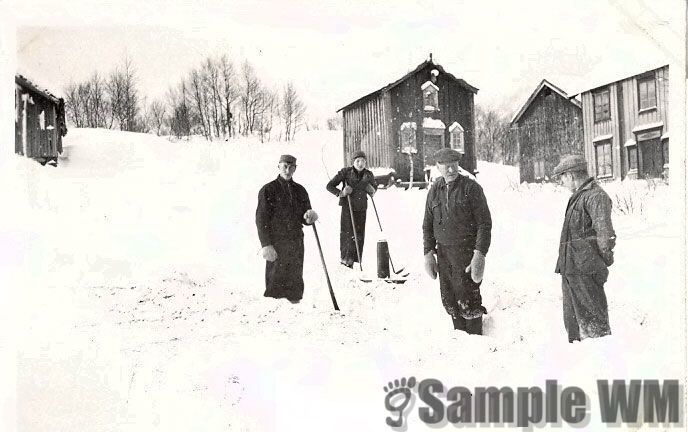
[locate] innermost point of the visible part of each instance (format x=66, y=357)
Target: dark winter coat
x=587, y=237
x=360, y=181
x=456, y=214
x=279, y=215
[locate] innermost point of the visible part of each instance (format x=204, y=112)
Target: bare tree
x=250, y=97
x=124, y=97
x=97, y=107
x=229, y=92
x=156, y=112
x=334, y=123
x=199, y=98
x=213, y=90
x=292, y=111
x=74, y=105
x=180, y=116
x=269, y=106
x=494, y=141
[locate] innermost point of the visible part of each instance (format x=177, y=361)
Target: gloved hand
x=269, y=253
x=431, y=264
x=477, y=266
x=371, y=190
x=346, y=191
x=310, y=216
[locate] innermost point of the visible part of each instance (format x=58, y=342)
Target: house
x=402, y=124
x=626, y=126
x=39, y=122
x=549, y=125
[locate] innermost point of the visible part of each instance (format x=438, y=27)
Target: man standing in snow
x=283, y=209
x=585, y=251
x=457, y=228
x=357, y=183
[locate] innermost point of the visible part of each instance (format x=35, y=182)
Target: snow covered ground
x=139, y=307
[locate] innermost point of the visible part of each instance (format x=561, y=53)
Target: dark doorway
x=652, y=159
x=431, y=143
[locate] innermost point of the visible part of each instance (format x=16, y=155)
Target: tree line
x=216, y=99
x=494, y=139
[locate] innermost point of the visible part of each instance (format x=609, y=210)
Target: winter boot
x=470, y=326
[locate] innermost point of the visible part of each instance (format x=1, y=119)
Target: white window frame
x=457, y=139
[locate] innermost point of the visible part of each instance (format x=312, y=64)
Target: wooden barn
x=549, y=125
x=627, y=126
x=39, y=122
x=402, y=124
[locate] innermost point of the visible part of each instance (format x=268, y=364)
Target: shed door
x=651, y=158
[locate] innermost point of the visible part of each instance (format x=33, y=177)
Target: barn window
x=430, y=92
x=41, y=119
x=632, y=152
x=603, y=158
x=17, y=105
x=601, y=103
x=647, y=94
x=456, y=137
x=407, y=136
x=539, y=169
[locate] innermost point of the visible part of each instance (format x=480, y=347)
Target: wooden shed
x=549, y=125
x=627, y=126
x=402, y=124
x=39, y=121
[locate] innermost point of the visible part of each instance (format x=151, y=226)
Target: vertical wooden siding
x=551, y=127
x=624, y=105
x=365, y=128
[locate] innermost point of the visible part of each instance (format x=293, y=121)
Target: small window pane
x=633, y=158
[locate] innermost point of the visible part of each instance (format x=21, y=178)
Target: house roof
x=597, y=83
x=26, y=83
x=405, y=77
x=544, y=83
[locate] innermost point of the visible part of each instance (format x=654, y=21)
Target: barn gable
x=402, y=124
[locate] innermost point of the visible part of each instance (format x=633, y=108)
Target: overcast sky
x=338, y=51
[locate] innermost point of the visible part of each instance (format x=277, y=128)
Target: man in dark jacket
x=457, y=228
x=283, y=209
x=585, y=251
x=357, y=183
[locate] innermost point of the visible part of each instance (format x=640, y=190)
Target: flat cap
x=287, y=159
x=570, y=163
x=446, y=155
x=357, y=154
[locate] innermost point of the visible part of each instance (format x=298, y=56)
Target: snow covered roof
x=602, y=137
x=26, y=83
x=543, y=84
x=607, y=78
x=454, y=126
x=646, y=126
x=407, y=125
x=631, y=142
x=405, y=77
x=431, y=123
x=427, y=84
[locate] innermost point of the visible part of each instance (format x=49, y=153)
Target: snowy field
x=138, y=286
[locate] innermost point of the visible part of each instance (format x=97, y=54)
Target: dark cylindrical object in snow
x=382, y=259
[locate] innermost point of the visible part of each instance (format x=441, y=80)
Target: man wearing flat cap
x=456, y=237
x=283, y=209
x=585, y=251
x=357, y=183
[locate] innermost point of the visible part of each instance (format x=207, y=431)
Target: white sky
x=338, y=51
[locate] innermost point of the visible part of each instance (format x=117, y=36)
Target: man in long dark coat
x=283, y=209
x=585, y=251
x=456, y=237
x=357, y=183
